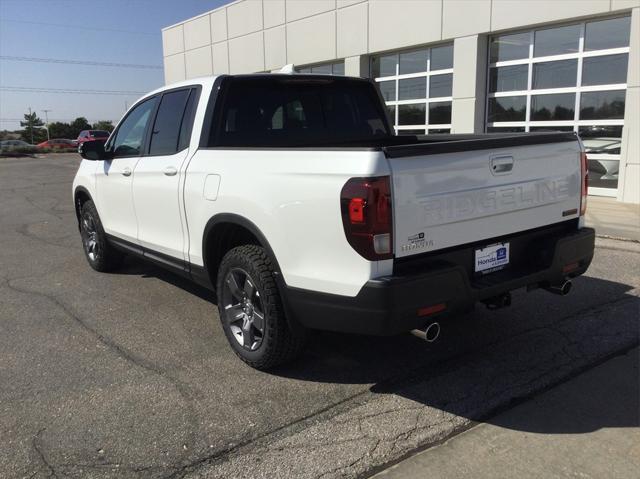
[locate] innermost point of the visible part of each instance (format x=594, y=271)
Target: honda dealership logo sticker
x=501, y=254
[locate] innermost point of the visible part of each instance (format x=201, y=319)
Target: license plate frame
x=491, y=258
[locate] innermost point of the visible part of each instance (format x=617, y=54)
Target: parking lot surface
x=129, y=374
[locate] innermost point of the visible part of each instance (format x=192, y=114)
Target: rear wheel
x=251, y=312
x=99, y=253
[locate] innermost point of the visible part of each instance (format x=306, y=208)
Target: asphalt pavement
x=129, y=374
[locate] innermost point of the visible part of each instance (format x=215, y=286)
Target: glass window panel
x=605, y=69
x=304, y=70
x=551, y=128
x=412, y=88
x=440, y=85
x=555, y=74
x=602, y=105
x=556, y=107
x=388, y=90
x=440, y=113
x=391, y=110
x=412, y=114
x=322, y=69
x=508, y=78
x=505, y=129
x=411, y=132
x=413, y=62
x=612, y=33
x=338, y=68
x=442, y=58
x=601, y=139
x=556, y=41
x=439, y=131
x=384, y=66
x=510, y=47
x=507, y=108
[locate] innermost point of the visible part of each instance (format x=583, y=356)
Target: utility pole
x=31, y=125
x=46, y=122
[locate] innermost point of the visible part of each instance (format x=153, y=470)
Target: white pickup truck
x=290, y=197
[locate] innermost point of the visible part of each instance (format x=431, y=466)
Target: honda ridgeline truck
x=291, y=198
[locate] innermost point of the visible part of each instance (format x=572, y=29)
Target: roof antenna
x=287, y=69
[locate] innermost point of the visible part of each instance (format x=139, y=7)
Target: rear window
x=265, y=112
x=99, y=133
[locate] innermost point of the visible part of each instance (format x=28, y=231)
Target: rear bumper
x=390, y=305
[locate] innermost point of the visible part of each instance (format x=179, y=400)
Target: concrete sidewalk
x=613, y=218
x=587, y=427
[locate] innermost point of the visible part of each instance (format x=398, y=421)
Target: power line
x=78, y=27
x=80, y=62
x=20, y=89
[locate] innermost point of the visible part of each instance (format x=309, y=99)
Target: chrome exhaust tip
x=561, y=289
x=429, y=334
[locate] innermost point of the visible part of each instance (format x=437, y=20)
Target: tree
x=33, y=132
x=59, y=129
x=103, y=125
x=78, y=125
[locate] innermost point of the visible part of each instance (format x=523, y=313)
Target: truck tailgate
x=452, y=193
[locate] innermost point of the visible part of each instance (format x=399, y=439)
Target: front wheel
x=251, y=312
x=99, y=253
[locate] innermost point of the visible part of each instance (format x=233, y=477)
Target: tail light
x=584, y=183
x=366, y=216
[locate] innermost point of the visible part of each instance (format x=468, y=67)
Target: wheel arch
x=225, y=231
x=80, y=196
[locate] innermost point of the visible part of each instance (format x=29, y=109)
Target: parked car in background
x=13, y=144
x=92, y=135
x=57, y=144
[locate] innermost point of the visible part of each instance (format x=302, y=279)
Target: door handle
x=126, y=171
x=501, y=165
x=170, y=171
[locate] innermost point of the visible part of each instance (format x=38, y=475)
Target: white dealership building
x=459, y=66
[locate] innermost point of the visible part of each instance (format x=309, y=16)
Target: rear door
x=470, y=194
x=114, y=177
x=158, y=174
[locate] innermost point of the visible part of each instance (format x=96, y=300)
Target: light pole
x=46, y=122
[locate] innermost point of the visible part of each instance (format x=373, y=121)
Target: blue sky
x=113, y=31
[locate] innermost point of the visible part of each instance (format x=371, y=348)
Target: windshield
x=308, y=112
x=99, y=133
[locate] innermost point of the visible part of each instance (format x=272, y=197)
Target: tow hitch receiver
x=497, y=302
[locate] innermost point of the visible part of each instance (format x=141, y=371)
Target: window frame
x=426, y=100
x=146, y=142
x=578, y=89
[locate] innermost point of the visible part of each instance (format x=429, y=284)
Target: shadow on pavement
x=484, y=359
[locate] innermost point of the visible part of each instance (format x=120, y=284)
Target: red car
x=92, y=135
x=57, y=143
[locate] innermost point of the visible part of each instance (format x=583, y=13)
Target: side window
x=130, y=136
x=168, y=121
x=187, y=120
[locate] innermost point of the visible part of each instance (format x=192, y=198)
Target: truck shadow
x=487, y=361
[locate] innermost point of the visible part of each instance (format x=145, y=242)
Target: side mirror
x=92, y=150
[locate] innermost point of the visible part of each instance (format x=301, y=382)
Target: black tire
x=99, y=253
x=277, y=343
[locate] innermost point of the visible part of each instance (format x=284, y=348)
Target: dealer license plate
x=492, y=258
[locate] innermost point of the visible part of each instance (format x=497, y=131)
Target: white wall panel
x=352, y=30
x=275, y=48
x=465, y=17
x=197, y=33
x=218, y=25
x=246, y=54
x=402, y=23
x=244, y=17
x=198, y=62
x=174, y=68
x=220, y=56
x=273, y=13
x=173, y=40
x=517, y=13
x=297, y=9
x=312, y=39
